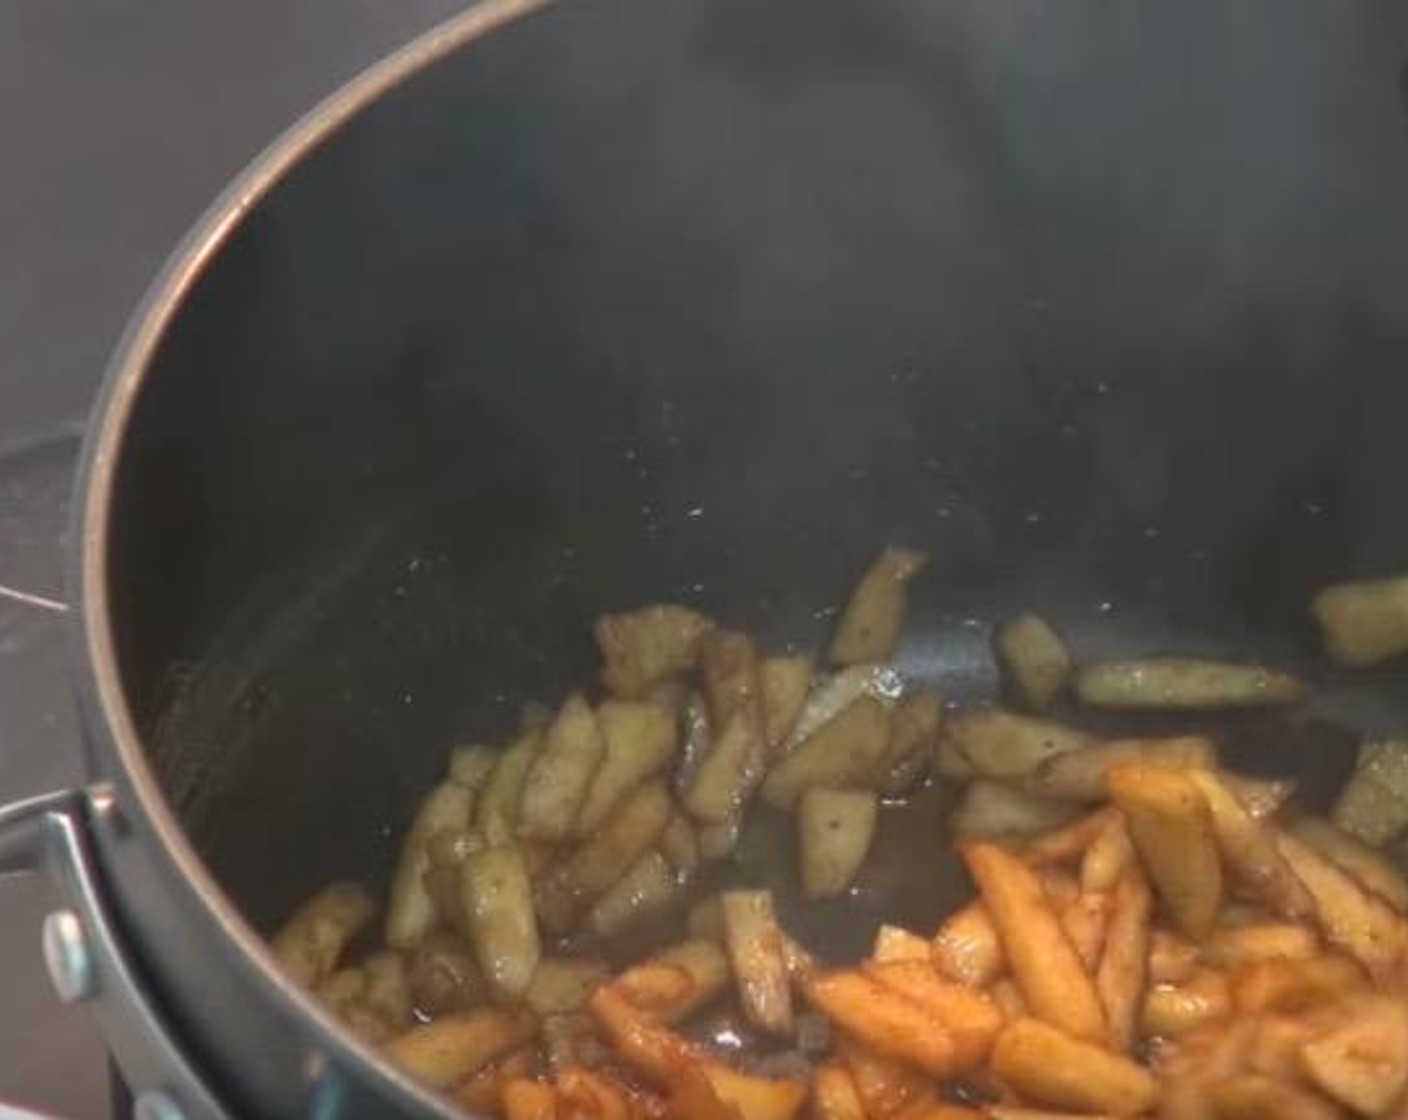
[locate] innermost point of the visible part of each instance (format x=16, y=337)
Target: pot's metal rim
x=107, y=714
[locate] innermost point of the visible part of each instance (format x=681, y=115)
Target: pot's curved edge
x=107, y=720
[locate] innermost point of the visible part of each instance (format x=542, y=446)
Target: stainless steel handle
x=86, y=958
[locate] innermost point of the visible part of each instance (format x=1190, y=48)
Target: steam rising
x=1102, y=303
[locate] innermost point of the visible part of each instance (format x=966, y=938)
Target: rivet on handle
x=67, y=957
x=156, y=1105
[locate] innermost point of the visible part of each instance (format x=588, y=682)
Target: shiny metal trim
x=91, y=628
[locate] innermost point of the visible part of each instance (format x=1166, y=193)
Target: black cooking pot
x=1102, y=304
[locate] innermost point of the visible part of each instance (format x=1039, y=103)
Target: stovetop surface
x=130, y=117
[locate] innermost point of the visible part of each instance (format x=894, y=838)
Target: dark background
x=118, y=124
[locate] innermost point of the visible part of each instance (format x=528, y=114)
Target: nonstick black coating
x=1103, y=305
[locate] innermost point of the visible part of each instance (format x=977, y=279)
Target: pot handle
x=86, y=958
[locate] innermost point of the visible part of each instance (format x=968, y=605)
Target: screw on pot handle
x=87, y=960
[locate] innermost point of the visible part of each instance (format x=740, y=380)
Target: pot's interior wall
x=1103, y=304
